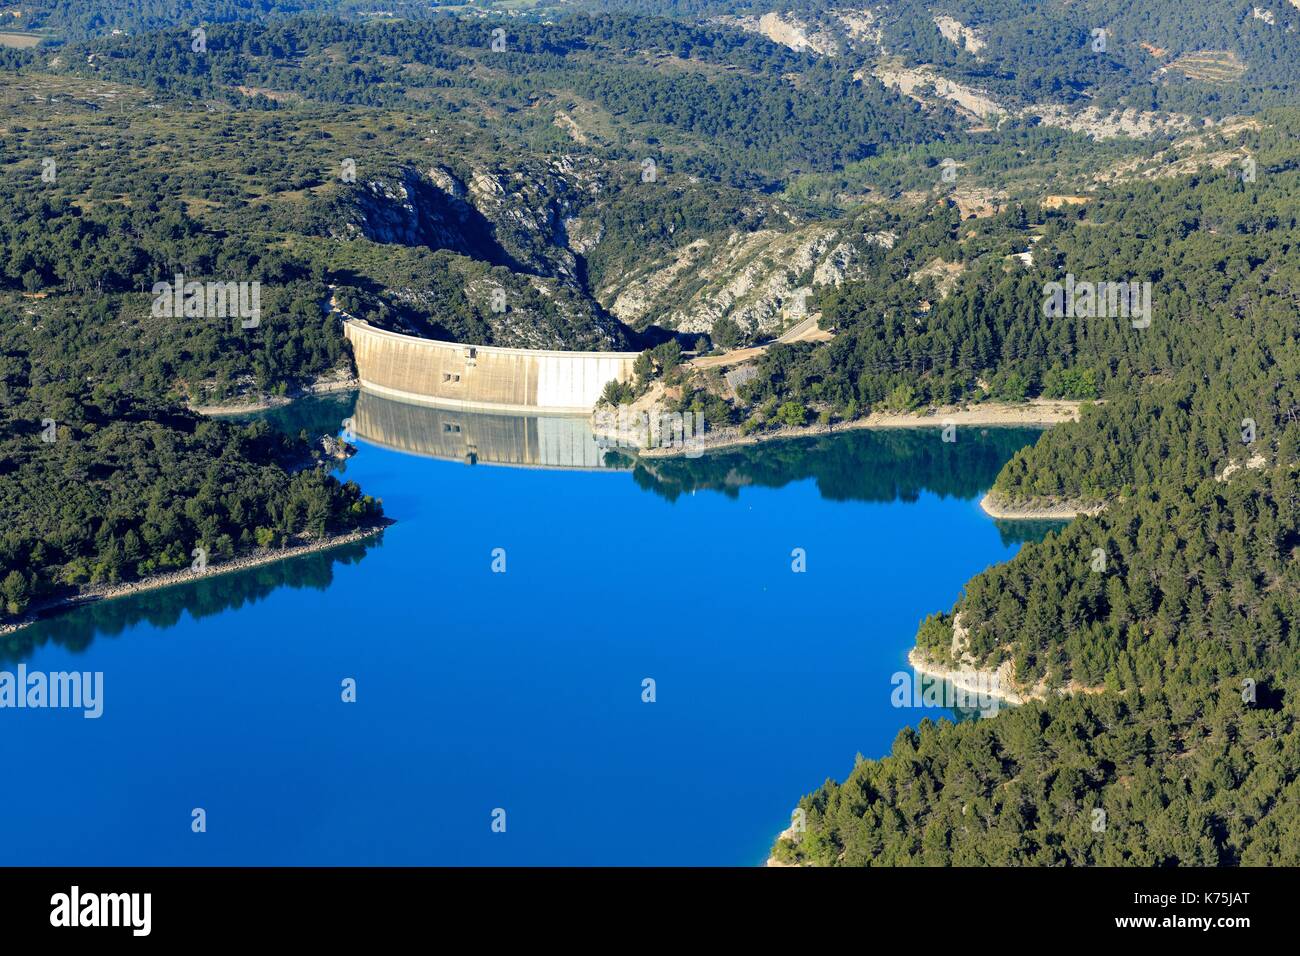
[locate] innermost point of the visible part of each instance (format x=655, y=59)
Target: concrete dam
x=428, y=372
x=481, y=438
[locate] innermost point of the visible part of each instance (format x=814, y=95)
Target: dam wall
x=425, y=371
x=482, y=438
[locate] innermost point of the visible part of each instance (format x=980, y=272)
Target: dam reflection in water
x=484, y=438
x=853, y=465
x=520, y=690
x=864, y=466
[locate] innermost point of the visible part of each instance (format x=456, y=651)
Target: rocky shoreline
x=786, y=834
x=155, y=582
x=996, y=683
x=267, y=402
x=1058, y=511
x=991, y=683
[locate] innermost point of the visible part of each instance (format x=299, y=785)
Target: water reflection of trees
x=1019, y=531
x=881, y=466
x=205, y=597
x=876, y=466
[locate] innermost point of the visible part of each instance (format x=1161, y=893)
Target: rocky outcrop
x=409, y=208
x=336, y=448
x=1102, y=124
x=992, y=683
x=542, y=227
x=520, y=218
x=1218, y=146
x=944, y=275
x=1253, y=463
x=789, y=31
x=927, y=86
x=791, y=834
x=962, y=670
x=862, y=28
x=762, y=280
x=923, y=83
x=1042, y=510
x=522, y=232
x=960, y=35
x=836, y=32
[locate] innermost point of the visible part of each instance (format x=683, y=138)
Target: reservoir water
x=522, y=691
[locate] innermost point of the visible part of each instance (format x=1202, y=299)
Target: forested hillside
x=84, y=19
x=1172, y=619
x=422, y=177
x=1216, y=57
x=100, y=487
x=692, y=173
x=1218, y=253
x=715, y=101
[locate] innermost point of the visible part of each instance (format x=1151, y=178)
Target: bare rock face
x=831, y=34
x=761, y=280
x=862, y=29
x=446, y=181
x=536, y=226
x=517, y=218
x=336, y=448
x=960, y=35
x=537, y=313
x=789, y=31
x=926, y=85
x=410, y=209
x=1108, y=124
x=583, y=234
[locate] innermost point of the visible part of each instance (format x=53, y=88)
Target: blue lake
x=519, y=690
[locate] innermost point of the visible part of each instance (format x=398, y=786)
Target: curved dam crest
x=426, y=371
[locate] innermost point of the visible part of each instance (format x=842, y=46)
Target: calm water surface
x=522, y=690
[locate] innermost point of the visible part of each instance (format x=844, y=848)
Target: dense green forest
x=100, y=488
x=1191, y=751
x=1218, y=253
x=731, y=113
x=1040, y=50
x=1192, y=776
x=1222, y=58
x=82, y=19
x=1177, y=605
x=206, y=596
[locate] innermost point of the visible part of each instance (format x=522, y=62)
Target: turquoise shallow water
x=520, y=691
